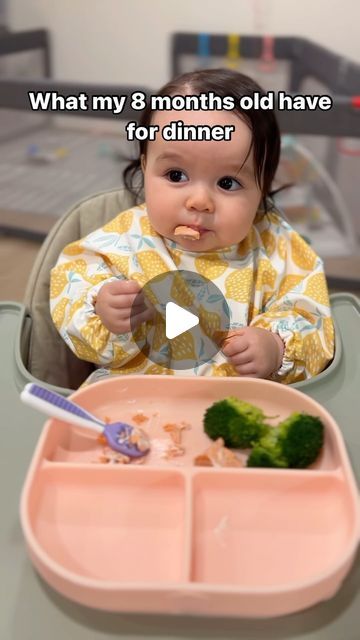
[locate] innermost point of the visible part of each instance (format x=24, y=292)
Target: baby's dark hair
x=262, y=122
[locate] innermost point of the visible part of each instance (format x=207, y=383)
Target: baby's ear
x=143, y=162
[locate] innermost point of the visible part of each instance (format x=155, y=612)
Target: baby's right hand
x=114, y=306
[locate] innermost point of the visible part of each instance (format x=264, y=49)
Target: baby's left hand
x=254, y=352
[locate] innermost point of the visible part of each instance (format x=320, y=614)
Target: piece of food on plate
x=217, y=455
x=139, y=417
x=187, y=232
x=175, y=430
x=239, y=423
x=295, y=443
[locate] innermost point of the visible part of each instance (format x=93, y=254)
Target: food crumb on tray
x=108, y=456
x=139, y=417
x=175, y=430
x=173, y=451
x=217, y=455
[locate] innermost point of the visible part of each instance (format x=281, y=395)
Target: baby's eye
x=175, y=175
x=229, y=184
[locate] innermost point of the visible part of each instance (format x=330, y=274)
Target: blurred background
x=49, y=162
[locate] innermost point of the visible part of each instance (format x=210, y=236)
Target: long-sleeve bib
x=272, y=280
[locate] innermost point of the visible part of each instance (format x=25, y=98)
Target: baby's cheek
x=157, y=222
x=235, y=228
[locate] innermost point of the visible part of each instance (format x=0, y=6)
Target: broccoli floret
x=295, y=443
x=239, y=423
x=268, y=452
x=301, y=437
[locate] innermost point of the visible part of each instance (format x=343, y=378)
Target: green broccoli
x=294, y=443
x=268, y=452
x=239, y=423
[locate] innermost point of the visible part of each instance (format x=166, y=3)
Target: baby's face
x=207, y=185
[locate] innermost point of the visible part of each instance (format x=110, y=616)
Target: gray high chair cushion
x=48, y=357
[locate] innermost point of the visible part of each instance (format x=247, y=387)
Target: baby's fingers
x=242, y=358
x=234, y=345
x=126, y=301
x=248, y=370
x=143, y=316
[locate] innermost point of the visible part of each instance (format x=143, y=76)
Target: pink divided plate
x=171, y=537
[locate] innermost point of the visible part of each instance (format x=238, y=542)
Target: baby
x=208, y=209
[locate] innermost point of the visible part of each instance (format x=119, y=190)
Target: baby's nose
x=200, y=199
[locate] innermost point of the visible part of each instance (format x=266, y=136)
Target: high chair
x=43, y=352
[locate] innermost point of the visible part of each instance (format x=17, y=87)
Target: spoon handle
x=56, y=406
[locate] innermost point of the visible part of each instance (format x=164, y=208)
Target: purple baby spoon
x=120, y=436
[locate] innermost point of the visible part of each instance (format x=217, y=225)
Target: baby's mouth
x=190, y=231
x=200, y=230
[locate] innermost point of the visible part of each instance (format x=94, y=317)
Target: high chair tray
x=171, y=537
x=32, y=609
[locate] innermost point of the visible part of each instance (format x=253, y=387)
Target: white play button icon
x=184, y=333
x=178, y=320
